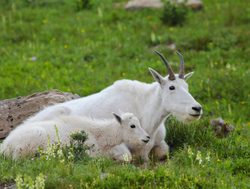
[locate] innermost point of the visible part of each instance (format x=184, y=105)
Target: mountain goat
x=153, y=103
x=103, y=135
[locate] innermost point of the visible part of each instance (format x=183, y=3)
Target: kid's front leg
x=121, y=153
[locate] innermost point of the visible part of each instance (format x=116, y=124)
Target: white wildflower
x=19, y=182
x=33, y=58
x=60, y=153
x=199, y=157
x=208, y=157
x=126, y=157
x=27, y=182
x=40, y=181
x=70, y=156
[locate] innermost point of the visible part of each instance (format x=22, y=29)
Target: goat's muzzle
x=145, y=141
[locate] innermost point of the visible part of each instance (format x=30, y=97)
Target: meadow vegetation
x=83, y=46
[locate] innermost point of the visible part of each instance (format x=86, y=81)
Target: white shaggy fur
x=103, y=135
x=152, y=103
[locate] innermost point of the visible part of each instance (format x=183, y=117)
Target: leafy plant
x=26, y=182
x=73, y=152
x=83, y=4
x=77, y=144
x=173, y=13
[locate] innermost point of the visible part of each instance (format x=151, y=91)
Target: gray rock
x=171, y=46
x=195, y=4
x=14, y=111
x=10, y=185
x=141, y=4
x=221, y=128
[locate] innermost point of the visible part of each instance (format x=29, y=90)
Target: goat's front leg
x=144, y=153
x=121, y=153
x=160, y=149
x=145, y=157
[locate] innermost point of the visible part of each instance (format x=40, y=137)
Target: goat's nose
x=145, y=141
x=197, y=108
x=148, y=137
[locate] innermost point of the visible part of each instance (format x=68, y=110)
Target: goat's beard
x=185, y=118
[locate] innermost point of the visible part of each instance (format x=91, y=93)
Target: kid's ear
x=157, y=77
x=117, y=117
x=188, y=75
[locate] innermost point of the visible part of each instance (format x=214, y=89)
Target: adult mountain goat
x=103, y=135
x=152, y=103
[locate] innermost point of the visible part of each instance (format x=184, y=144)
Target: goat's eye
x=132, y=126
x=171, y=88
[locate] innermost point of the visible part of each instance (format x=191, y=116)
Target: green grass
x=83, y=51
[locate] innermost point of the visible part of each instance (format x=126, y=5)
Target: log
x=15, y=111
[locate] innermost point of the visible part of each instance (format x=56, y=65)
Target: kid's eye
x=132, y=126
x=171, y=88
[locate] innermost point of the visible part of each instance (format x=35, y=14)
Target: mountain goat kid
x=103, y=135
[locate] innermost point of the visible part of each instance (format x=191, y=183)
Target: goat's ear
x=117, y=117
x=188, y=75
x=157, y=77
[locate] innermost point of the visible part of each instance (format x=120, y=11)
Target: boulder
x=14, y=111
x=221, y=128
x=195, y=4
x=140, y=4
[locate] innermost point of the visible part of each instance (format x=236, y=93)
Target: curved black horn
x=181, y=73
x=169, y=69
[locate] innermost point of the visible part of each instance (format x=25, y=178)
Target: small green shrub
x=76, y=150
x=83, y=4
x=174, y=14
x=77, y=144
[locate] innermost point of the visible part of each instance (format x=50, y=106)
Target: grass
x=53, y=44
